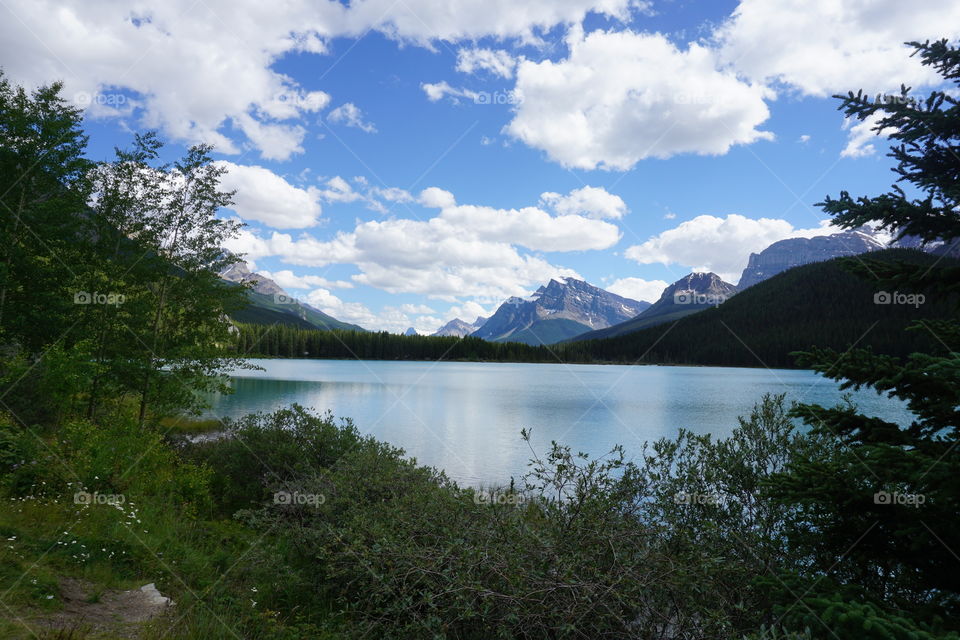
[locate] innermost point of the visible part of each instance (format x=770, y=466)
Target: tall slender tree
x=182, y=345
x=126, y=197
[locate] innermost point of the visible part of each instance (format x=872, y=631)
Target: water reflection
x=466, y=417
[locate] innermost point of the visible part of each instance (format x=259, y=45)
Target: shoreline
x=601, y=363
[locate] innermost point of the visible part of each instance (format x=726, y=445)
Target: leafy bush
x=259, y=452
x=663, y=547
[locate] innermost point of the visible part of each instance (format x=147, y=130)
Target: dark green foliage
x=263, y=451
x=926, y=153
x=43, y=193
x=878, y=517
x=822, y=609
x=255, y=314
x=643, y=321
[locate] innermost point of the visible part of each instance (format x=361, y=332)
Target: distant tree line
x=293, y=342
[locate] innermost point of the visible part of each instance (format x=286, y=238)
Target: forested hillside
x=821, y=304
x=264, y=309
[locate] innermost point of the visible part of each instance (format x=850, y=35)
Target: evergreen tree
x=876, y=520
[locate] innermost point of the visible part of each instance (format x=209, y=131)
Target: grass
x=189, y=560
x=167, y=531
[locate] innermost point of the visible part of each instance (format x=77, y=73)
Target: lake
x=465, y=417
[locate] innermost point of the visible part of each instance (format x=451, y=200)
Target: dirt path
x=110, y=614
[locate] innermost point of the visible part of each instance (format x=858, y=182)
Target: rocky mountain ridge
x=270, y=303
x=556, y=311
x=460, y=328
x=240, y=273
x=688, y=295
x=795, y=252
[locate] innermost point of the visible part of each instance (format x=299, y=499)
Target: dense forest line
x=286, y=341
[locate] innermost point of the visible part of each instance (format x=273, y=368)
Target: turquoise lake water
x=466, y=418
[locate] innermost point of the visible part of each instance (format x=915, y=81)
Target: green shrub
x=585, y=548
x=261, y=451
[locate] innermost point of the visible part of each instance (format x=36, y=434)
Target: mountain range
x=794, y=252
x=269, y=303
x=568, y=309
x=562, y=309
x=688, y=295
x=818, y=304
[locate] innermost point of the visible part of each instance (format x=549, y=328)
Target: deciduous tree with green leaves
x=141, y=235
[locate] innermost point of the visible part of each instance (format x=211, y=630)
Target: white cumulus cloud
x=427, y=21
x=721, y=245
x=862, y=136
x=263, y=196
x=530, y=227
x=289, y=280
x=204, y=71
x=463, y=251
x=821, y=47
x=349, y=114
x=495, y=61
x=621, y=96
x=593, y=202
x=638, y=288
x=438, y=90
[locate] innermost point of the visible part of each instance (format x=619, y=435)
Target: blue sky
x=404, y=163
